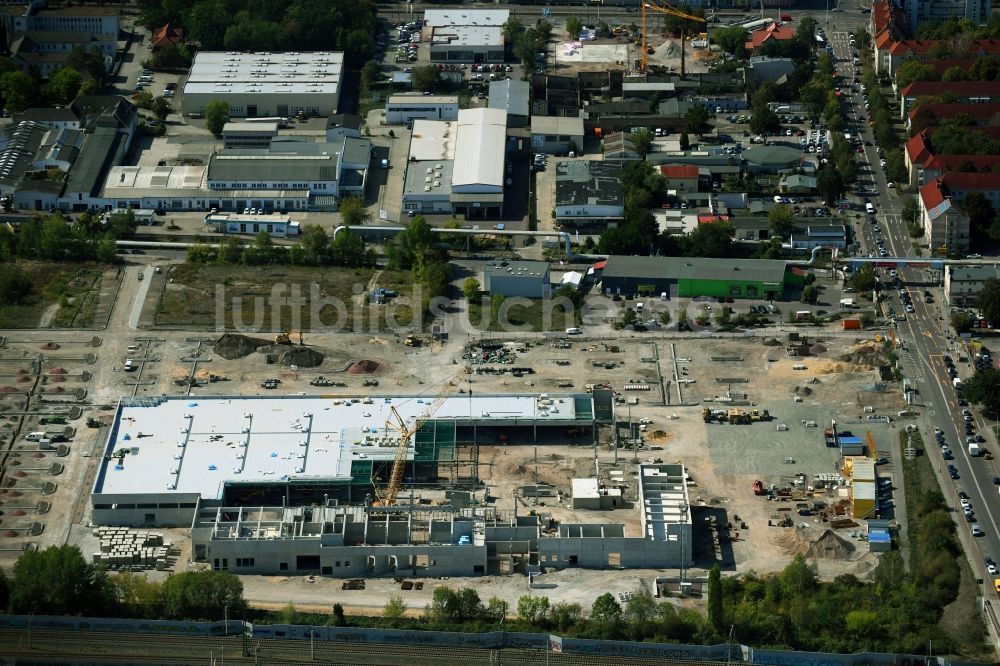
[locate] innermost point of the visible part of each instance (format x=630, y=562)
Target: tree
x=640, y=609
x=471, y=290
x=216, y=116
x=864, y=279
x=697, y=118
x=781, y=221
x=137, y=595
x=370, y=74
x=716, y=612
x=496, y=609
x=988, y=300
x=980, y=211
x=714, y=239
x=830, y=185
x=59, y=581
x=809, y=293
x=64, y=84
x=732, y=39
x=912, y=71
x=339, y=618
x=983, y=388
x=349, y=249
x=160, y=107
x=394, y=608
x=316, y=244
x=642, y=140
x=15, y=286
x=230, y=251
x=532, y=609
x=955, y=74
x=606, y=611
x=574, y=26
x=18, y=91
x=353, y=212
x=202, y=595
x=426, y=78
x=685, y=142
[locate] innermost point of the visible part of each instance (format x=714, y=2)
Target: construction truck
x=737, y=417
x=411, y=341
x=286, y=337
x=759, y=415
x=758, y=487
x=706, y=414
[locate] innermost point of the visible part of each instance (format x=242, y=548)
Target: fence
x=487, y=641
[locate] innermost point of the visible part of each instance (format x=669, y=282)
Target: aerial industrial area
x=560, y=301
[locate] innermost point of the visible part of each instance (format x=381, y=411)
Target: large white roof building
x=265, y=84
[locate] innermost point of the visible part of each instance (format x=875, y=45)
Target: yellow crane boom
x=388, y=497
x=670, y=11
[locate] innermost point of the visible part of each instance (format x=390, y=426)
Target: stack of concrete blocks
x=122, y=548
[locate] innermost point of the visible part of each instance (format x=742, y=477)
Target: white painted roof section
x=420, y=100
x=585, y=488
x=433, y=140
x=194, y=446
x=437, y=18
x=155, y=177
x=663, y=490
x=288, y=72
x=479, y=155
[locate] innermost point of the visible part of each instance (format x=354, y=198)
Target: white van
x=573, y=331
x=869, y=208
x=35, y=436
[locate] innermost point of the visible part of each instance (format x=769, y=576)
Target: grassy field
x=271, y=298
x=515, y=315
x=71, y=286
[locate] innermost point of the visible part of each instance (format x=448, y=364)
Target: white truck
x=975, y=450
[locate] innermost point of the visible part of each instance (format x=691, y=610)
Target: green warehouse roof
x=690, y=268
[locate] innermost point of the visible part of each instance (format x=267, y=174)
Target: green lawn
x=518, y=316
x=71, y=285
x=263, y=298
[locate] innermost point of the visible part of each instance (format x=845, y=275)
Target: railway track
x=54, y=646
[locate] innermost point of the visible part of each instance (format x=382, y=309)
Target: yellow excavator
x=286, y=338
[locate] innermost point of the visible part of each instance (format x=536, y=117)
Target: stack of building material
x=122, y=548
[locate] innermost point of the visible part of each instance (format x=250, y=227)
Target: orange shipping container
x=852, y=324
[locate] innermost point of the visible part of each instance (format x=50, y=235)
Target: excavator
x=669, y=11
x=286, y=338
x=387, y=496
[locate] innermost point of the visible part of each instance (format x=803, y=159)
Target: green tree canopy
x=983, y=388
x=59, y=581
x=731, y=39
x=697, y=118
x=216, y=116
x=781, y=221
x=988, y=301
x=426, y=78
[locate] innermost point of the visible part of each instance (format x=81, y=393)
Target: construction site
x=414, y=456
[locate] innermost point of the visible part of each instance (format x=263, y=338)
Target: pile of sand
x=658, y=436
x=772, y=342
x=364, y=367
x=232, y=346
x=23, y=379
x=301, y=357
x=50, y=345
x=56, y=379
x=827, y=545
x=817, y=349
x=802, y=390
x=868, y=355
x=58, y=371
x=8, y=389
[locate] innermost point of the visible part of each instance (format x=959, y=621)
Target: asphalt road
x=927, y=338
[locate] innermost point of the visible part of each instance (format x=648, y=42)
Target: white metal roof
x=433, y=140
x=479, y=149
x=420, y=100
x=194, y=446
x=436, y=18
x=290, y=72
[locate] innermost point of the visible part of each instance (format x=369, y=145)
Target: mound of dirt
x=23, y=379
x=20, y=475
x=867, y=355
x=817, y=349
x=50, y=345
x=22, y=371
x=8, y=389
x=302, y=357
x=827, y=545
x=232, y=346
x=18, y=512
x=364, y=367
x=772, y=342
x=56, y=379
x=10, y=534
x=57, y=389
x=802, y=390
x=58, y=371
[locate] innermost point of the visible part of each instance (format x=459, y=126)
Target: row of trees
x=272, y=25
x=315, y=249
x=83, y=74
x=882, y=122
x=527, y=43
x=52, y=238
x=59, y=581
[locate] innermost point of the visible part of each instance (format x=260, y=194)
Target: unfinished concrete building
x=360, y=541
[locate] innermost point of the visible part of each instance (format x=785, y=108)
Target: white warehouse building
x=402, y=109
x=265, y=85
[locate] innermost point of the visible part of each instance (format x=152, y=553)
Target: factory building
x=265, y=84
x=528, y=279
x=689, y=277
x=466, y=35
x=402, y=109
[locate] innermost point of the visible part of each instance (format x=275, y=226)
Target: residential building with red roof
x=939, y=165
x=946, y=224
x=967, y=92
x=775, y=31
x=167, y=34
x=937, y=112
x=923, y=165
x=680, y=177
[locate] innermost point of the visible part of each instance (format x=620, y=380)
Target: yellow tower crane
x=670, y=11
x=388, y=496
